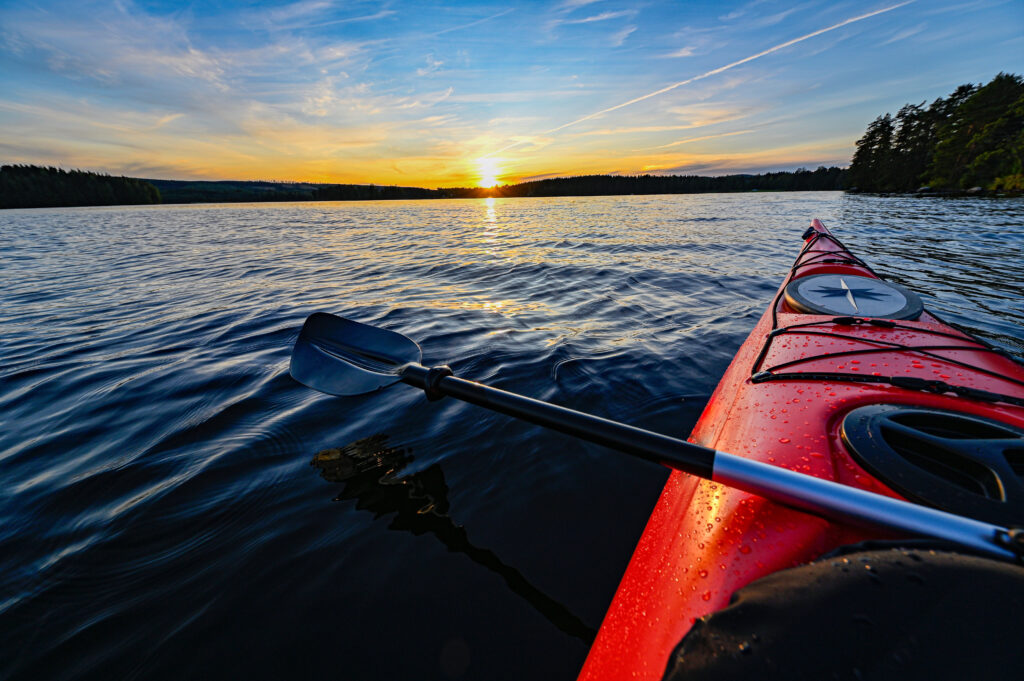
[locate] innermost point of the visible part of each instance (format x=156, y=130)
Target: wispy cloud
x=741, y=11
x=160, y=122
x=776, y=17
x=721, y=69
x=474, y=23
x=692, y=41
x=117, y=48
x=295, y=10
x=964, y=6
x=687, y=51
x=711, y=113
x=702, y=138
x=514, y=96
x=563, y=12
x=433, y=64
x=603, y=16
x=576, y=4
x=58, y=111
x=308, y=14
x=904, y=34
x=619, y=37
x=382, y=14
x=695, y=116
x=424, y=101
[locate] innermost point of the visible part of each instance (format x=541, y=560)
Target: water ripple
x=159, y=518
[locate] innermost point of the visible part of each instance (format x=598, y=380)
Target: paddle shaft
x=662, y=449
x=804, y=492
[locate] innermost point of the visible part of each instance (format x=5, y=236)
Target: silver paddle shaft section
x=856, y=506
x=819, y=497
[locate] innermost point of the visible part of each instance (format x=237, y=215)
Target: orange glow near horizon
x=457, y=168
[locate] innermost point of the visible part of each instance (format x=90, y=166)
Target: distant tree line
x=363, y=192
x=231, y=191
x=973, y=138
x=597, y=185
x=31, y=186
x=185, y=191
x=27, y=186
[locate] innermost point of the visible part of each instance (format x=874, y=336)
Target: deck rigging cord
x=758, y=374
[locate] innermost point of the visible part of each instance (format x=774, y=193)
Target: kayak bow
x=848, y=378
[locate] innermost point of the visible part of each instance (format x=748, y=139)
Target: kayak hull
x=703, y=540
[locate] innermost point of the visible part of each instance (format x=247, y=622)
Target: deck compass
x=849, y=294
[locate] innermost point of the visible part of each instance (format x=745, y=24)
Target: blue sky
x=415, y=93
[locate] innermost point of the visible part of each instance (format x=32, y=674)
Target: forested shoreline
x=822, y=179
x=65, y=186
x=972, y=140
x=27, y=186
x=179, y=191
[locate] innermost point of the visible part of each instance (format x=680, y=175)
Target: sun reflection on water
x=479, y=237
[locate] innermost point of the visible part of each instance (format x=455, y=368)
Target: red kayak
x=846, y=377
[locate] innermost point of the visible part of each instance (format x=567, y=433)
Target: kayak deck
x=782, y=401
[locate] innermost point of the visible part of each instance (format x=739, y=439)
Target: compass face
x=852, y=295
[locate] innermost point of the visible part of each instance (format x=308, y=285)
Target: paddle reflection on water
x=369, y=470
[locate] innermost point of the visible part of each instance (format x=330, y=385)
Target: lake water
x=160, y=513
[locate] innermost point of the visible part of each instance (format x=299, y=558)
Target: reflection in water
x=369, y=470
x=146, y=408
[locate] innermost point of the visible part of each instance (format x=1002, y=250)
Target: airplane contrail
x=713, y=72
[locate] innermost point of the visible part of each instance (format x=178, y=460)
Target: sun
x=488, y=172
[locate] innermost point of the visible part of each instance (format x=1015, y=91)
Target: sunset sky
x=447, y=94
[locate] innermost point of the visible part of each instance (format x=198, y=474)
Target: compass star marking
x=864, y=293
x=844, y=291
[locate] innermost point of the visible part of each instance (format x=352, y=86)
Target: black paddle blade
x=342, y=357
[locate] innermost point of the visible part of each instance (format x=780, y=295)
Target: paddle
x=342, y=357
